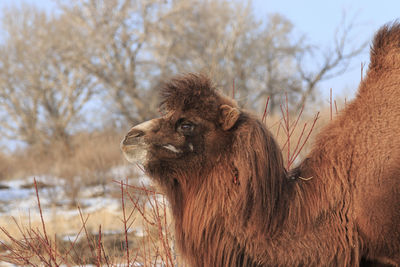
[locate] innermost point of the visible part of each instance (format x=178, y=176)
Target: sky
x=316, y=20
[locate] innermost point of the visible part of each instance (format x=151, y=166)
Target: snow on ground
x=19, y=196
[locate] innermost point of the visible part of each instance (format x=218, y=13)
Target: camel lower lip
x=134, y=154
x=129, y=147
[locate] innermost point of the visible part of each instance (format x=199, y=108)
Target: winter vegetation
x=74, y=81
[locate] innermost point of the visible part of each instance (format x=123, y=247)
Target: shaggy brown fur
x=235, y=204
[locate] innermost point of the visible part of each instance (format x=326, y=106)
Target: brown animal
x=235, y=204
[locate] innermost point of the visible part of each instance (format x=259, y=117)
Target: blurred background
x=75, y=75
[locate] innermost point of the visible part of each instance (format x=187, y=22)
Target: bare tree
x=208, y=36
x=50, y=66
x=332, y=61
x=273, y=73
x=260, y=59
x=42, y=86
x=117, y=50
x=134, y=45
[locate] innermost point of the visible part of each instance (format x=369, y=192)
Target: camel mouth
x=172, y=148
x=134, y=153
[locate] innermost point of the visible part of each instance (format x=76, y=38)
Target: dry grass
x=62, y=225
x=87, y=161
x=4, y=166
x=87, y=152
x=295, y=133
x=38, y=242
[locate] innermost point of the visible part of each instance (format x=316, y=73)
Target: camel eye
x=186, y=127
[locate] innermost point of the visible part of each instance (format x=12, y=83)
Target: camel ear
x=228, y=116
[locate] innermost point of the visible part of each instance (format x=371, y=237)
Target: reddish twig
x=286, y=120
x=279, y=128
x=45, y=241
x=166, y=231
x=138, y=188
x=99, y=248
x=297, y=146
x=287, y=127
x=40, y=211
x=90, y=243
x=137, y=207
x=125, y=222
x=294, y=126
x=264, y=116
x=105, y=257
x=160, y=233
x=140, y=167
x=306, y=139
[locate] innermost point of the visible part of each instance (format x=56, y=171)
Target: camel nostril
x=131, y=137
x=135, y=133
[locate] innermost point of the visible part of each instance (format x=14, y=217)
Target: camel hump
x=385, y=50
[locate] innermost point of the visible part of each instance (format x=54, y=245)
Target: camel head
x=194, y=131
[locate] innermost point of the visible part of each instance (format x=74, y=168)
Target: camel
x=235, y=204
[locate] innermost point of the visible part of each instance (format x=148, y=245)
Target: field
x=82, y=217
x=103, y=229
